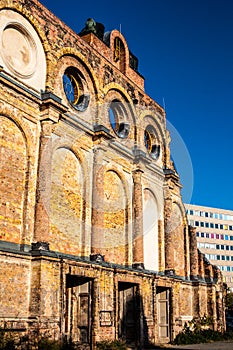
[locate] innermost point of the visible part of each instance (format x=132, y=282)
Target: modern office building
x=94, y=238
x=214, y=231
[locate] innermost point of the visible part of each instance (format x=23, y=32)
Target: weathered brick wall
x=175, y=240
x=69, y=181
x=66, y=204
x=115, y=224
x=12, y=180
x=18, y=148
x=15, y=287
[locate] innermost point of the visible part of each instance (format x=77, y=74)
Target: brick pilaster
x=43, y=184
x=193, y=253
x=138, y=253
x=97, y=205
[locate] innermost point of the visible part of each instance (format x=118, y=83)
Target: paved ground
x=228, y=345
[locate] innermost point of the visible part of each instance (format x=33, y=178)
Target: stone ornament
x=21, y=51
x=18, y=50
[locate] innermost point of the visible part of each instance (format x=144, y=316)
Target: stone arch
x=116, y=217
x=123, y=53
x=72, y=52
x=150, y=230
x=114, y=92
x=155, y=120
x=88, y=86
x=149, y=120
x=18, y=118
x=121, y=90
x=13, y=179
x=66, y=202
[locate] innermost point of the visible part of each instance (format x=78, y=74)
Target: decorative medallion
x=18, y=50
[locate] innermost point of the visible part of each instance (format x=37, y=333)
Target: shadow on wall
x=133, y=328
x=132, y=325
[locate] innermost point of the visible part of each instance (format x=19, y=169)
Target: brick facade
x=94, y=238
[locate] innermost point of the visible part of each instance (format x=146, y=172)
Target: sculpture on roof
x=91, y=26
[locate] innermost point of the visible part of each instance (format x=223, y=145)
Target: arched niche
x=115, y=219
x=150, y=230
x=13, y=168
x=66, y=202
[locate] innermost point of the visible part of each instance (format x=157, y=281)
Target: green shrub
x=48, y=344
x=7, y=341
x=111, y=345
x=198, y=336
x=196, y=333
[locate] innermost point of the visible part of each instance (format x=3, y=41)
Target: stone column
x=42, y=210
x=187, y=250
x=169, y=236
x=50, y=112
x=161, y=245
x=193, y=254
x=138, y=249
x=201, y=271
x=97, y=235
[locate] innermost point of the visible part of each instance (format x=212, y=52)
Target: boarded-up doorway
x=163, y=297
x=78, y=309
x=129, y=311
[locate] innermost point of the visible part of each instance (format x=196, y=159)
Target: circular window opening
x=116, y=117
x=74, y=89
x=151, y=143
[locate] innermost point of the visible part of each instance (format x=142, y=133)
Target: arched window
x=119, y=54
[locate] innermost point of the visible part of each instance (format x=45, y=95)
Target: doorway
x=163, y=303
x=129, y=313
x=78, y=309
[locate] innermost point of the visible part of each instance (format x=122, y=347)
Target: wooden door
x=163, y=314
x=78, y=310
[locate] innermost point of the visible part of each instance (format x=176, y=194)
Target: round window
x=147, y=140
x=116, y=117
x=73, y=84
x=71, y=88
x=150, y=142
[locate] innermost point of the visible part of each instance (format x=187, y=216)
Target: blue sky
x=185, y=52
